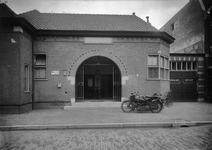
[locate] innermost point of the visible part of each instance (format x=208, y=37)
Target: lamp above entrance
x=97, y=71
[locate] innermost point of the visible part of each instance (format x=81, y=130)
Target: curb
x=95, y=105
x=104, y=125
x=91, y=106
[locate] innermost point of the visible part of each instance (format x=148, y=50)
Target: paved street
x=190, y=138
x=187, y=138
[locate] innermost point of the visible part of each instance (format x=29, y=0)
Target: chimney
x=133, y=13
x=147, y=19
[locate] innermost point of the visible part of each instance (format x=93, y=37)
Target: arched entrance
x=98, y=78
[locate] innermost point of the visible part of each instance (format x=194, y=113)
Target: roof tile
x=86, y=22
x=5, y=11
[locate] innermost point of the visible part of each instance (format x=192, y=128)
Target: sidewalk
x=108, y=114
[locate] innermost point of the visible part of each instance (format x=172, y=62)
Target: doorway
x=98, y=85
x=98, y=78
x=183, y=85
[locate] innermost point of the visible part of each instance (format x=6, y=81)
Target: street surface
x=187, y=138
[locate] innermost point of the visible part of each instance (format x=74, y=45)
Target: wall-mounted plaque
x=55, y=73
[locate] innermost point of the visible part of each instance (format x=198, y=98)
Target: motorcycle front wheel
x=156, y=107
x=127, y=106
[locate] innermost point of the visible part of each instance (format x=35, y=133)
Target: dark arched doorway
x=98, y=78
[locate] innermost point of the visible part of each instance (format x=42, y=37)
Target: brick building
x=51, y=59
x=190, y=54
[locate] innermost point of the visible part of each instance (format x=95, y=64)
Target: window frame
x=152, y=66
x=36, y=67
x=162, y=64
x=189, y=65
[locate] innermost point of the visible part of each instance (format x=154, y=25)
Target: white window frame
x=151, y=65
x=162, y=64
x=26, y=77
x=40, y=66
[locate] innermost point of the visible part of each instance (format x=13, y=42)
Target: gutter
x=136, y=34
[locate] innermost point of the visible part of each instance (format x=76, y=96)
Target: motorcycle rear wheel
x=127, y=106
x=156, y=107
x=168, y=103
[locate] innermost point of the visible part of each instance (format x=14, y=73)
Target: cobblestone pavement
x=192, y=138
x=88, y=115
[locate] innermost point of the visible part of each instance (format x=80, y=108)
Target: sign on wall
x=98, y=40
x=55, y=73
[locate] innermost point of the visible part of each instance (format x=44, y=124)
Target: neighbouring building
x=190, y=54
x=53, y=59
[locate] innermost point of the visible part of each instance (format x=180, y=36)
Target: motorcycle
x=138, y=102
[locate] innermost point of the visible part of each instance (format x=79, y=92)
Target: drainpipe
x=33, y=72
x=208, y=49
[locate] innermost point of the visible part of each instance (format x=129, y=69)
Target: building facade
x=53, y=60
x=189, y=62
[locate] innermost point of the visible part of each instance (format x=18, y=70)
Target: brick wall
x=25, y=59
x=62, y=53
x=129, y=54
x=15, y=52
x=9, y=68
x=187, y=27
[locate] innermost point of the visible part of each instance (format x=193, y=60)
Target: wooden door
x=183, y=85
x=189, y=86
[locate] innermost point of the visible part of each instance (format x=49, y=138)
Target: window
x=188, y=65
x=153, y=67
x=164, y=67
x=153, y=61
x=40, y=66
x=26, y=78
x=194, y=66
x=173, y=66
x=183, y=66
x=178, y=65
x=158, y=67
x=172, y=26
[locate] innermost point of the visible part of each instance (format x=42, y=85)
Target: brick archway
x=98, y=78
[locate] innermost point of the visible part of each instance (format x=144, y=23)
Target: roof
x=95, y=25
x=5, y=11
x=86, y=22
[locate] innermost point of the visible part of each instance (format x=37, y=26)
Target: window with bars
x=183, y=66
x=158, y=67
x=26, y=78
x=40, y=66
